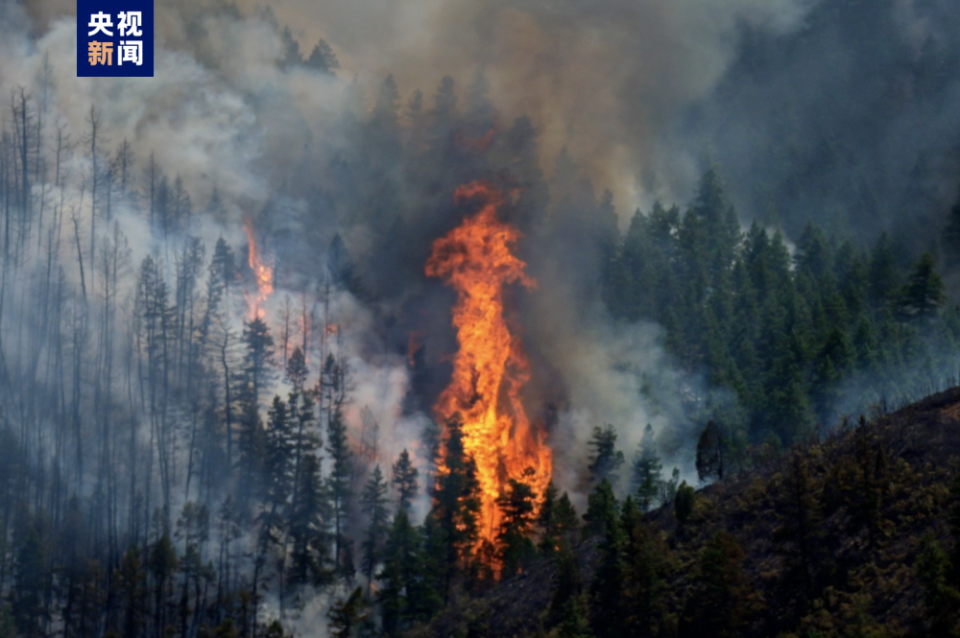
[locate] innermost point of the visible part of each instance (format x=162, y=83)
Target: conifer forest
x=522, y=319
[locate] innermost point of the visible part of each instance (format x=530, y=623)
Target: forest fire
x=490, y=368
x=262, y=272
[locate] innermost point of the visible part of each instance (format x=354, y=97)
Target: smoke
x=627, y=95
x=610, y=81
x=839, y=114
x=848, y=123
x=606, y=79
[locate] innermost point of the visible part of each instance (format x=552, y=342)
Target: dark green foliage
x=565, y=517
x=645, y=586
x=801, y=537
x=278, y=455
x=940, y=598
x=347, y=616
x=605, y=458
x=517, y=505
x=558, y=521
x=456, y=508
x=711, y=453
x=646, y=472
x=574, y=623
x=257, y=372
x=669, y=487
x=162, y=565
x=402, y=596
x=601, y=515
x=338, y=485
x=373, y=502
x=132, y=581
x=569, y=587
x=787, y=340
x=606, y=591
x=683, y=503
x=309, y=527
x=404, y=480
x=720, y=603
x=924, y=292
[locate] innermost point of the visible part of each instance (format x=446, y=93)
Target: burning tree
x=490, y=367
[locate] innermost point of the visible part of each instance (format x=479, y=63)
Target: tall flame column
x=490, y=367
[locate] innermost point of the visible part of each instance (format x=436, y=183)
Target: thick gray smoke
x=610, y=80
x=633, y=96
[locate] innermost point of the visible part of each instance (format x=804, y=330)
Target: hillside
x=822, y=541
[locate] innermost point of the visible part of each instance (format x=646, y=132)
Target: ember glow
x=262, y=272
x=490, y=368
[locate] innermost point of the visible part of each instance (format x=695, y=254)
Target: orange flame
x=480, y=144
x=490, y=367
x=262, y=272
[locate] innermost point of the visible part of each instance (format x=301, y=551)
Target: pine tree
x=546, y=521
x=646, y=471
x=601, y=513
x=308, y=527
x=373, y=503
x=566, y=520
x=647, y=558
x=668, y=488
x=456, y=504
x=252, y=441
x=605, y=459
x=278, y=459
x=338, y=485
x=347, y=616
x=720, y=603
x=883, y=277
x=606, y=608
x=684, y=502
x=304, y=440
x=162, y=566
x=802, y=525
x=400, y=576
x=711, y=450
x=436, y=571
x=940, y=598
x=323, y=59
x=924, y=293
x=133, y=586
x=566, y=607
x=517, y=504
x=404, y=479
x=258, y=358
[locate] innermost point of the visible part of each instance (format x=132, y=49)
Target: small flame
x=490, y=368
x=480, y=144
x=262, y=272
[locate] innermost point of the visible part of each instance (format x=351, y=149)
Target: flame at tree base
x=490, y=367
